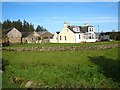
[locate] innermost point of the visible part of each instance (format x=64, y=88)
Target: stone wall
x=61, y=48
x=15, y=40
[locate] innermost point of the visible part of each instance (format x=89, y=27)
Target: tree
x=31, y=27
x=23, y=26
x=40, y=28
x=39, y=38
x=19, y=25
x=7, y=24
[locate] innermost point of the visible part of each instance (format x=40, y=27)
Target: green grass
x=62, y=44
x=88, y=68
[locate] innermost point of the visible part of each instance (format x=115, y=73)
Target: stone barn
x=14, y=36
x=33, y=37
x=45, y=36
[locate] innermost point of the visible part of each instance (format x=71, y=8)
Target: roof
x=79, y=29
x=87, y=26
x=58, y=32
x=75, y=29
x=25, y=34
x=41, y=32
x=13, y=29
x=14, y=33
x=35, y=34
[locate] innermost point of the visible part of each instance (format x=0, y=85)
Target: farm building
x=11, y=36
x=33, y=37
x=45, y=36
x=74, y=34
x=112, y=35
x=104, y=38
x=39, y=37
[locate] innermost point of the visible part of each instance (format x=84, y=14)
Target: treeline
x=112, y=35
x=21, y=26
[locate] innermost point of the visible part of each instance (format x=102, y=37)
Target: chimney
x=65, y=24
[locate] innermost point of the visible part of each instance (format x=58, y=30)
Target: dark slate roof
x=79, y=29
x=75, y=29
x=58, y=32
x=84, y=29
x=25, y=34
x=87, y=26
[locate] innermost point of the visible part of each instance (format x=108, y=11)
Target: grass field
x=84, y=69
x=62, y=44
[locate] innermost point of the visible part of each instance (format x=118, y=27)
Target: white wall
x=70, y=37
x=82, y=39
x=77, y=39
x=90, y=40
x=54, y=39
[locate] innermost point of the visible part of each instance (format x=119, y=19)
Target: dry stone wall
x=61, y=48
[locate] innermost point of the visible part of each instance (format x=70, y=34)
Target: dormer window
x=78, y=28
x=74, y=28
x=90, y=29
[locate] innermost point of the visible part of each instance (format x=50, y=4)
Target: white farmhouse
x=74, y=34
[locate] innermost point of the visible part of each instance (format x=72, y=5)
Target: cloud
x=72, y=20
x=102, y=19
x=55, y=23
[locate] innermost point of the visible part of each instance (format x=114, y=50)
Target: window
x=79, y=36
x=39, y=38
x=90, y=29
x=65, y=37
x=89, y=37
x=92, y=36
x=60, y=38
x=78, y=29
x=45, y=37
x=51, y=37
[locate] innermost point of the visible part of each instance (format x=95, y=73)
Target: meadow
x=58, y=69
x=62, y=44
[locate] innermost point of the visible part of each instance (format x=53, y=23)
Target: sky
x=51, y=15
